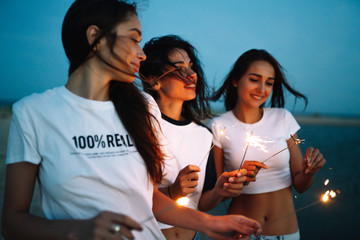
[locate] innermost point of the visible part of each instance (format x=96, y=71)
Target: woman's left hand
x=313, y=160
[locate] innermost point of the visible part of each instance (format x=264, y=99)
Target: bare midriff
x=178, y=233
x=274, y=211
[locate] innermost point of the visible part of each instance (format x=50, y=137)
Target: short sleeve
x=292, y=124
x=22, y=142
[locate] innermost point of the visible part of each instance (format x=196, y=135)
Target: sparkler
x=296, y=142
x=181, y=202
x=247, y=146
x=323, y=199
x=222, y=132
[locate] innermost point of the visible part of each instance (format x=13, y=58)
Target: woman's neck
x=172, y=109
x=87, y=83
x=248, y=115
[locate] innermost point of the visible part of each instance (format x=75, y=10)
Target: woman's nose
x=141, y=54
x=260, y=87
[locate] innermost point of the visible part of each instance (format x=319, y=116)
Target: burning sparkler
x=329, y=194
x=181, y=202
x=247, y=146
x=222, y=132
x=296, y=142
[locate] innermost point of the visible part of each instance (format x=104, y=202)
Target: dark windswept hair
x=157, y=52
x=129, y=102
x=239, y=69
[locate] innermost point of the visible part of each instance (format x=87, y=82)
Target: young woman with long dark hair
x=255, y=78
x=177, y=83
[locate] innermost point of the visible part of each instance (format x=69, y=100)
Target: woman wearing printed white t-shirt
x=93, y=143
x=177, y=83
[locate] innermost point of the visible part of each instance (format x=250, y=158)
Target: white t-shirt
x=188, y=144
x=269, y=136
x=87, y=161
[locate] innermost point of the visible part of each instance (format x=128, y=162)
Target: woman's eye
x=253, y=80
x=270, y=83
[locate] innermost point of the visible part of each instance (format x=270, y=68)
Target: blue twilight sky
x=317, y=42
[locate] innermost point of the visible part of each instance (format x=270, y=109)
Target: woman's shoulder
x=153, y=106
x=36, y=100
x=223, y=116
x=277, y=112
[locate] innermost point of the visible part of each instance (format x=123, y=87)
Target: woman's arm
x=216, y=227
x=218, y=160
x=229, y=184
x=303, y=169
x=18, y=223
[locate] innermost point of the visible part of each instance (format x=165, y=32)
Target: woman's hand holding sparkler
x=231, y=227
x=230, y=184
x=313, y=160
x=252, y=167
x=185, y=183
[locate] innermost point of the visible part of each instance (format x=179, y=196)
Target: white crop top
x=269, y=136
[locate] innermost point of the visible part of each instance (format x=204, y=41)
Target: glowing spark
x=326, y=182
x=259, y=143
x=327, y=195
x=183, y=201
x=222, y=132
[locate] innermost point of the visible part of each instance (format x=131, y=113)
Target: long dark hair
x=239, y=69
x=129, y=103
x=157, y=52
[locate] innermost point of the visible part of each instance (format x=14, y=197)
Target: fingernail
x=231, y=180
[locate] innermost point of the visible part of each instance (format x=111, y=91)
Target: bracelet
x=169, y=192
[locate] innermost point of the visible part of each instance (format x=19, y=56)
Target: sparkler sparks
x=181, y=202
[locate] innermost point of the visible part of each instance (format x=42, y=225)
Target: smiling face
x=179, y=85
x=122, y=49
x=256, y=85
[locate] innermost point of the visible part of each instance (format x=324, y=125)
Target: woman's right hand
x=186, y=182
x=231, y=227
x=106, y=225
x=253, y=167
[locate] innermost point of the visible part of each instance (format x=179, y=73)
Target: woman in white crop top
x=178, y=85
x=255, y=77
x=94, y=144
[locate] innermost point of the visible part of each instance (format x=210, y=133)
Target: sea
x=338, y=218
